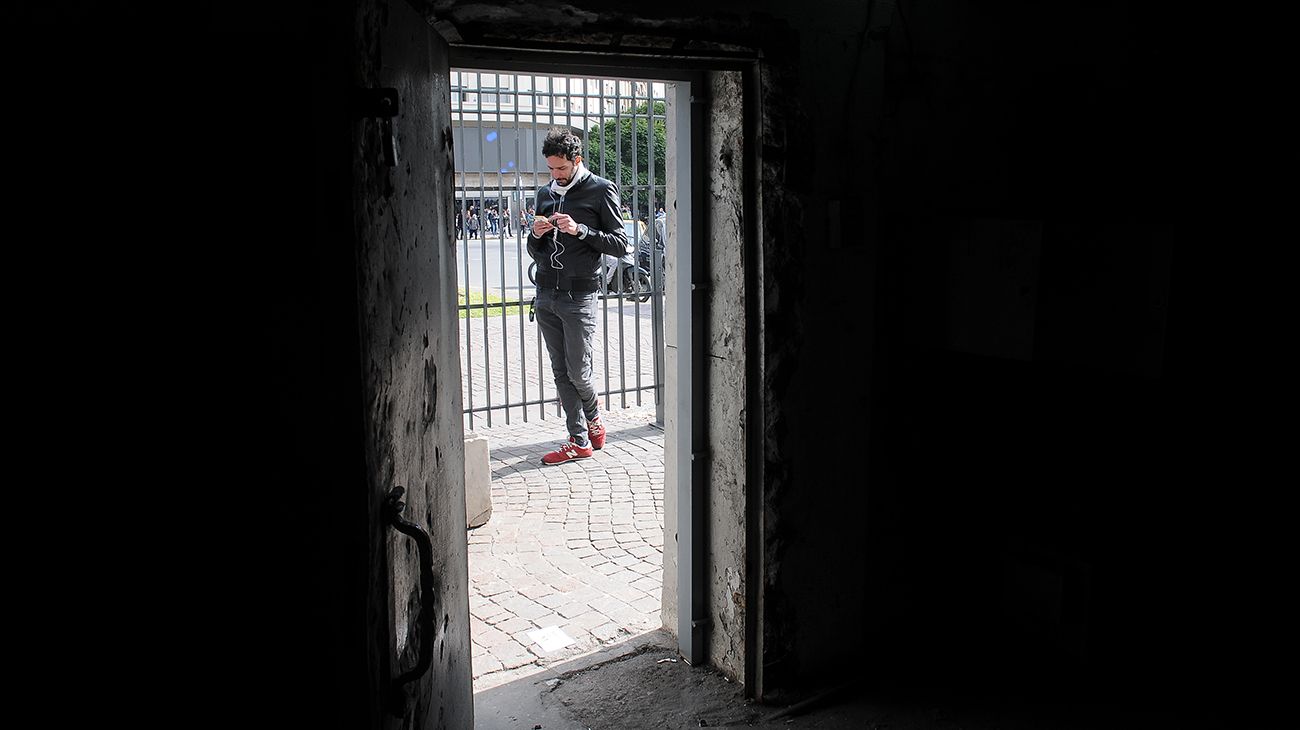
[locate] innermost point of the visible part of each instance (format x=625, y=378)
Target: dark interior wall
x=979, y=317
x=1032, y=511
x=275, y=151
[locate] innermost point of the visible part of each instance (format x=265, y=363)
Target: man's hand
x=541, y=226
x=566, y=224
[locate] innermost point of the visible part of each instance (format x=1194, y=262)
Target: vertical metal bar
x=636, y=230
x=691, y=435
x=656, y=306
x=618, y=145
x=519, y=250
x=541, y=345
x=482, y=232
x=699, y=311
x=464, y=223
x=501, y=245
x=568, y=125
x=604, y=296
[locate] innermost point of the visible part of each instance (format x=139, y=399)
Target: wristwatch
x=583, y=230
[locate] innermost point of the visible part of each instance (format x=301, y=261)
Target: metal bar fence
x=488, y=104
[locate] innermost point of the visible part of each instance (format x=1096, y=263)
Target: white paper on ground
x=551, y=638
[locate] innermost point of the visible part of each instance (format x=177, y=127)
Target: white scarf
x=578, y=174
x=561, y=190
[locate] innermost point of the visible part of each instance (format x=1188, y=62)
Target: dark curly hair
x=561, y=143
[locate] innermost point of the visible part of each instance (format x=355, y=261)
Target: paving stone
x=586, y=594
x=555, y=600
x=517, y=659
x=499, y=618
x=524, y=608
x=626, y=593
x=604, y=604
x=550, y=619
x=626, y=576
x=647, y=584
x=492, y=588
x=591, y=620
x=537, y=590
x=490, y=637
x=614, y=554
x=515, y=624
x=609, y=632
x=649, y=604
x=607, y=568
x=572, y=610
x=485, y=665
x=630, y=616
x=490, y=613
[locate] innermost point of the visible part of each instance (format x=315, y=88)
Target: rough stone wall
x=725, y=374
x=820, y=290
x=406, y=271
x=781, y=125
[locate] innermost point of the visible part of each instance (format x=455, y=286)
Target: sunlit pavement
x=572, y=557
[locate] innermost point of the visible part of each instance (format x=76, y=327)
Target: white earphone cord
x=555, y=238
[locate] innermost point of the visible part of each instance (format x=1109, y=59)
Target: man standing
x=577, y=220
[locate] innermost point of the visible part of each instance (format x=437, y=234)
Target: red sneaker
x=568, y=452
x=596, y=432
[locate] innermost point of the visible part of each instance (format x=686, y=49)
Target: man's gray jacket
x=572, y=263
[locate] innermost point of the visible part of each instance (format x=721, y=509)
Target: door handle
x=428, y=617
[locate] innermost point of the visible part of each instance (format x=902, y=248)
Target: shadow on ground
x=643, y=684
x=639, y=683
x=528, y=457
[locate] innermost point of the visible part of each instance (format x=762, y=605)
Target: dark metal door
x=417, y=607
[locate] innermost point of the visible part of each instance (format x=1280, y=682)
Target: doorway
x=564, y=560
x=712, y=420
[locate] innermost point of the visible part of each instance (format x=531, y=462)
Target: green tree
x=619, y=140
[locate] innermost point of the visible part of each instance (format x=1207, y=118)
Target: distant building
x=499, y=121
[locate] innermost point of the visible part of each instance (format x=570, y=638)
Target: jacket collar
x=580, y=174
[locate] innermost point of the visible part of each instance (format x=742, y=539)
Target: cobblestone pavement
x=572, y=557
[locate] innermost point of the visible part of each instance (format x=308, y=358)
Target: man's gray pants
x=568, y=324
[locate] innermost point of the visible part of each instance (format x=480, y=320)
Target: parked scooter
x=646, y=262
x=623, y=275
